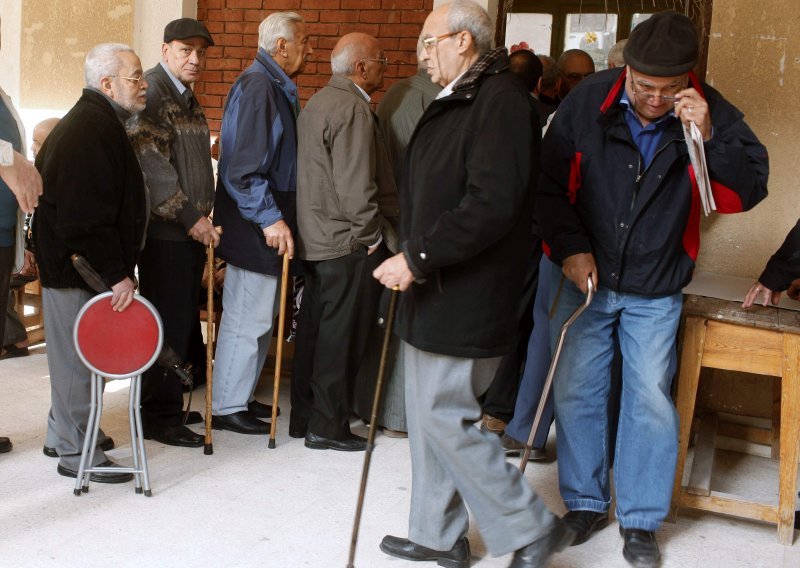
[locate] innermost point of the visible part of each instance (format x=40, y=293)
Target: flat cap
x=664, y=45
x=184, y=28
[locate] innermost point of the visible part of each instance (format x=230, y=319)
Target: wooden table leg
x=694, y=338
x=790, y=436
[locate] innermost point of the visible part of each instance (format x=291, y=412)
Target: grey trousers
x=70, y=380
x=249, y=304
x=455, y=466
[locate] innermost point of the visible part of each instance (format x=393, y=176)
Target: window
x=551, y=26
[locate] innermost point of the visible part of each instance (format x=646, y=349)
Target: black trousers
x=501, y=397
x=337, y=314
x=6, y=266
x=169, y=276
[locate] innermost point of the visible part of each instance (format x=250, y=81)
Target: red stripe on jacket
x=691, y=234
x=574, y=183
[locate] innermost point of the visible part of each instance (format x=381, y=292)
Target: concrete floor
x=289, y=507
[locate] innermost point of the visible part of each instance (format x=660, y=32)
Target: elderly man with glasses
x=346, y=207
x=93, y=204
x=466, y=193
x=618, y=204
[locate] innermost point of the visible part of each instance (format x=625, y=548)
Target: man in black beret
x=172, y=141
x=618, y=205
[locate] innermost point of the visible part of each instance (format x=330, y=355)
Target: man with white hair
x=94, y=204
x=345, y=195
x=467, y=199
x=255, y=203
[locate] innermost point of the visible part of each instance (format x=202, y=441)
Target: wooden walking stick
x=373, y=425
x=548, y=383
x=208, y=447
x=279, y=351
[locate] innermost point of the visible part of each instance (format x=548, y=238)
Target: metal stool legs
x=139, y=469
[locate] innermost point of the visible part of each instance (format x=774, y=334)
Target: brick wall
x=234, y=25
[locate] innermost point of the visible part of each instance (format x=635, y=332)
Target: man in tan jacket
x=346, y=205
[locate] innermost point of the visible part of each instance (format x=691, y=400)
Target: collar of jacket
x=98, y=98
x=491, y=63
x=345, y=84
x=276, y=73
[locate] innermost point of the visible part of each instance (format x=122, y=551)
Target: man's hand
x=123, y=294
x=279, y=236
x=691, y=107
x=203, y=231
x=29, y=265
x=25, y=182
x=394, y=272
x=760, y=293
x=578, y=268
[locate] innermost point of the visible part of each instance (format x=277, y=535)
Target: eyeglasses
x=382, y=60
x=131, y=79
x=431, y=42
x=649, y=96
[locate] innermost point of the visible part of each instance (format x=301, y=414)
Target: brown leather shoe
x=514, y=447
x=493, y=425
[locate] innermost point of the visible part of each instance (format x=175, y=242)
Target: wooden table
x=719, y=334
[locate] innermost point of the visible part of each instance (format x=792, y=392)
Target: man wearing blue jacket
x=255, y=204
x=618, y=202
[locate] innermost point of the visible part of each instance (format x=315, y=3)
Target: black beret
x=184, y=28
x=664, y=45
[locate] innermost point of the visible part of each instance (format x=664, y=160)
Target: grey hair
x=276, y=26
x=345, y=58
x=615, y=56
x=467, y=15
x=103, y=61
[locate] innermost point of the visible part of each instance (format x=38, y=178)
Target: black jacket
x=94, y=197
x=642, y=225
x=784, y=266
x=466, y=201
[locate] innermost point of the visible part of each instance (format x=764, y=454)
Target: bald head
x=40, y=132
x=575, y=65
x=359, y=57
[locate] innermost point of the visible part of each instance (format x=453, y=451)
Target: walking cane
x=548, y=383
x=276, y=383
x=373, y=425
x=208, y=447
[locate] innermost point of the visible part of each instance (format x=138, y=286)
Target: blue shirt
x=645, y=137
x=9, y=131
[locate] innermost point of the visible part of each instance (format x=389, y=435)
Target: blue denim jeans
x=537, y=363
x=647, y=439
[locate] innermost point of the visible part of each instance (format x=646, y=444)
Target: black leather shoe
x=353, y=443
x=513, y=447
x=194, y=417
x=538, y=552
x=100, y=477
x=641, y=548
x=456, y=557
x=261, y=410
x=106, y=445
x=5, y=445
x=584, y=524
x=242, y=422
x=174, y=436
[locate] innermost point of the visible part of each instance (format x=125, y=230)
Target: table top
x=770, y=318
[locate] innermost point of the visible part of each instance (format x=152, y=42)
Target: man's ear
x=464, y=41
x=105, y=86
x=281, y=45
x=164, y=49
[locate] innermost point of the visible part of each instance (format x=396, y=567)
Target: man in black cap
x=618, y=205
x=172, y=141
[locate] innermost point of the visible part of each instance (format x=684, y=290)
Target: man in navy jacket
x=618, y=204
x=255, y=204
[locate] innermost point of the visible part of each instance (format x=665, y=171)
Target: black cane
x=548, y=383
x=373, y=425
